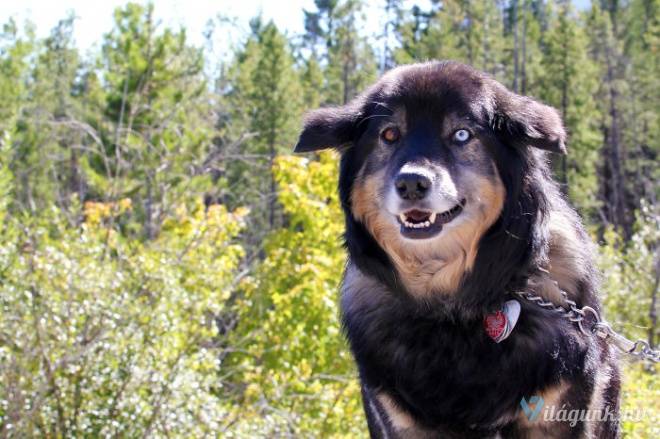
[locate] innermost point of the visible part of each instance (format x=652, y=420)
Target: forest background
x=168, y=269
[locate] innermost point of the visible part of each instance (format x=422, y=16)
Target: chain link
x=589, y=322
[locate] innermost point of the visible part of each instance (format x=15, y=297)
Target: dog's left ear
x=527, y=122
x=332, y=127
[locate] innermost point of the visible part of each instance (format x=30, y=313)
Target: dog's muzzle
x=422, y=206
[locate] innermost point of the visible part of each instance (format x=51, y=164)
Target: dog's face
x=426, y=174
x=422, y=166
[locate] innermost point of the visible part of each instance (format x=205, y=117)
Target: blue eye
x=462, y=136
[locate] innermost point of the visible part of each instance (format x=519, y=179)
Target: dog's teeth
x=409, y=225
x=432, y=218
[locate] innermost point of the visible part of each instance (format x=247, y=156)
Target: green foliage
x=349, y=61
x=264, y=104
x=440, y=33
x=631, y=278
x=568, y=82
x=104, y=336
x=6, y=175
x=640, y=406
x=351, y=65
x=14, y=65
x=157, y=129
x=298, y=374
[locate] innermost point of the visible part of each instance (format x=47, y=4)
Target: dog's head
x=428, y=158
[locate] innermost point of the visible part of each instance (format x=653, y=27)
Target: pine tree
x=606, y=47
x=312, y=83
x=14, y=69
x=277, y=97
x=642, y=46
x=15, y=50
x=55, y=147
x=393, y=14
x=466, y=31
x=568, y=82
x=264, y=100
x=349, y=63
x=410, y=32
x=157, y=125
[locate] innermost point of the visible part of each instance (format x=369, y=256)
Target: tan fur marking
x=566, y=263
x=404, y=425
x=547, y=288
x=539, y=429
x=602, y=382
x=399, y=419
x=436, y=266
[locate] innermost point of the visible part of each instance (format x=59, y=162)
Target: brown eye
x=390, y=135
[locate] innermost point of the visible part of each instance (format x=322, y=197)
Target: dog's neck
x=568, y=262
x=435, y=266
x=425, y=271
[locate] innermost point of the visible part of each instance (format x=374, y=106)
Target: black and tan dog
x=450, y=208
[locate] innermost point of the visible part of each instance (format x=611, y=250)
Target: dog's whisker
x=372, y=116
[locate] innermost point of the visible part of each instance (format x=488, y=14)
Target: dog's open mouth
x=420, y=224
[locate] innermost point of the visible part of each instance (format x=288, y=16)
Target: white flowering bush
x=101, y=336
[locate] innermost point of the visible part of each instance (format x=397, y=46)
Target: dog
x=450, y=209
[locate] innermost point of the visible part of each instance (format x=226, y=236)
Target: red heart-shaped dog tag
x=495, y=324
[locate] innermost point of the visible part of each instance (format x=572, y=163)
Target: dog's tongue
x=417, y=215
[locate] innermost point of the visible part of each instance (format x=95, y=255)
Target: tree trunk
x=564, y=99
x=653, y=312
x=273, y=186
x=523, y=71
x=514, y=24
x=614, y=158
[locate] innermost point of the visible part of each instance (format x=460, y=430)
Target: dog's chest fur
x=439, y=371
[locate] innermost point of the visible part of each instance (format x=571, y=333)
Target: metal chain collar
x=589, y=322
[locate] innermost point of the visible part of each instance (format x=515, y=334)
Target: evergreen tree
x=642, y=45
x=312, y=83
x=466, y=31
x=264, y=100
x=15, y=50
x=158, y=122
x=411, y=33
x=568, y=81
x=617, y=204
x=14, y=69
x=277, y=97
x=350, y=64
x=53, y=146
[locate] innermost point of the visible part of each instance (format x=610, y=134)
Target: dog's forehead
x=439, y=88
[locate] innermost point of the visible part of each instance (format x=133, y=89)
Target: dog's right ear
x=332, y=127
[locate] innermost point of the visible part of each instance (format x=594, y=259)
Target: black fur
x=432, y=356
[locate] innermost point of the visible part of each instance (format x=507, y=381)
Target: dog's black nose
x=412, y=186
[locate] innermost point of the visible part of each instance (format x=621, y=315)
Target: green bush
x=102, y=336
